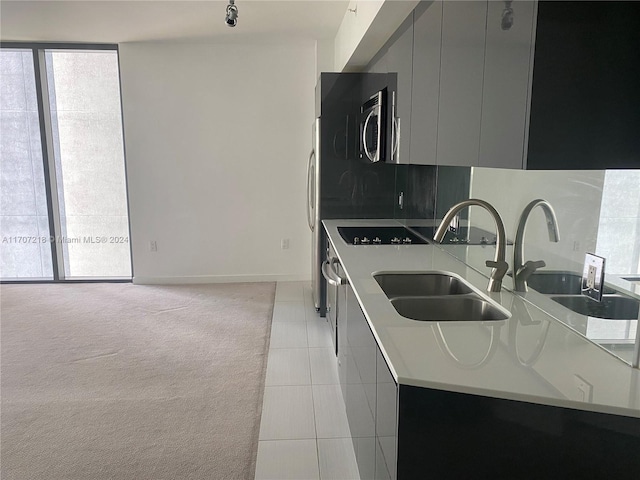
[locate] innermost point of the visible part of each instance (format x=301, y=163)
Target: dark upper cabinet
x=585, y=99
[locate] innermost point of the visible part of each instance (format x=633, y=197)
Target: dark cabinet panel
x=457, y=435
x=585, y=100
x=360, y=387
x=386, y=420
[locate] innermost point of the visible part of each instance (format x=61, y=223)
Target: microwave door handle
x=311, y=191
x=395, y=139
x=364, y=136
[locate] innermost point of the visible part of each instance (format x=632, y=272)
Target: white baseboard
x=196, y=279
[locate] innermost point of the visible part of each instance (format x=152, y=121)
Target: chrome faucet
x=499, y=265
x=522, y=272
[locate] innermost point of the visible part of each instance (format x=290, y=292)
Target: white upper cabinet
x=507, y=73
x=461, y=75
x=427, y=30
x=399, y=61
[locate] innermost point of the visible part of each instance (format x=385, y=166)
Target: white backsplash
x=598, y=211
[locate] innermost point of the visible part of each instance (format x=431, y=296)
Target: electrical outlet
x=576, y=246
x=284, y=244
x=585, y=389
x=153, y=246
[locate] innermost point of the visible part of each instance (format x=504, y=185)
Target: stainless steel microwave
x=373, y=128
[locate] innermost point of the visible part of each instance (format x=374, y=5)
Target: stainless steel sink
x=470, y=308
x=559, y=283
x=437, y=297
x=417, y=284
x=613, y=307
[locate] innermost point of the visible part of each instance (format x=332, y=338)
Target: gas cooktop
x=415, y=236
x=380, y=236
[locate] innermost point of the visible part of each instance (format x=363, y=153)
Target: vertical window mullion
x=46, y=137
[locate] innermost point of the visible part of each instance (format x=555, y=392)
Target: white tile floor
x=304, y=430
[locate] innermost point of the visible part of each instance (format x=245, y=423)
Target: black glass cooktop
x=380, y=236
x=415, y=236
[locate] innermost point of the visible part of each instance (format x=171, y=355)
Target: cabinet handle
x=330, y=274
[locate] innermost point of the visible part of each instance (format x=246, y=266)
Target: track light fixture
x=231, y=20
x=507, y=16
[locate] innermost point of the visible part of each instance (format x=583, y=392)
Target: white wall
x=365, y=28
x=217, y=139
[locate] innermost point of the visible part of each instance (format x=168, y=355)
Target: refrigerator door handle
x=311, y=187
x=371, y=157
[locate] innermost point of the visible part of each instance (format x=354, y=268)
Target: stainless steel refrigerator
x=350, y=171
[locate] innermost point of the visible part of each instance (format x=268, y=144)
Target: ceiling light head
x=507, y=16
x=231, y=19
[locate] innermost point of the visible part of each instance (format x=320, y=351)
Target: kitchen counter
x=530, y=357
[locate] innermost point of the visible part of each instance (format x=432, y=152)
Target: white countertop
x=537, y=359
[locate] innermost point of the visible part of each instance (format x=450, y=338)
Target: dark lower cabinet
x=360, y=386
x=459, y=436
x=407, y=433
x=386, y=421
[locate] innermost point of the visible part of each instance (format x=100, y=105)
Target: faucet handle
x=501, y=267
x=528, y=268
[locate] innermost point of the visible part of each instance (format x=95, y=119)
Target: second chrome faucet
x=521, y=272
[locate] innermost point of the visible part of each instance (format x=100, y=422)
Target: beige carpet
x=118, y=381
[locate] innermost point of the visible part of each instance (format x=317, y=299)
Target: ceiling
x=159, y=20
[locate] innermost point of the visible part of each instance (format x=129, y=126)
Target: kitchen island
x=525, y=397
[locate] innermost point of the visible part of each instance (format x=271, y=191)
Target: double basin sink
x=565, y=288
x=437, y=297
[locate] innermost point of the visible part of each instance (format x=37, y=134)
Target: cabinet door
x=461, y=71
x=427, y=29
x=379, y=63
x=360, y=398
x=399, y=59
x=507, y=68
x=386, y=421
x=585, y=99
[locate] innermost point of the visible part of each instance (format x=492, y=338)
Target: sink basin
x=437, y=297
x=614, y=307
x=418, y=284
x=469, y=308
x=559, y=283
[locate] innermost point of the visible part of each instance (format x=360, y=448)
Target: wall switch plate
x=153, y=246
x=585, y=389
x=593, y=276
x=284, y=244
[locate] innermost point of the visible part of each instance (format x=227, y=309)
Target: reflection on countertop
x=529, y=357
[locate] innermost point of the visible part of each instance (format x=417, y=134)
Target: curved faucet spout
x=521, y=272
x=499, y=265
